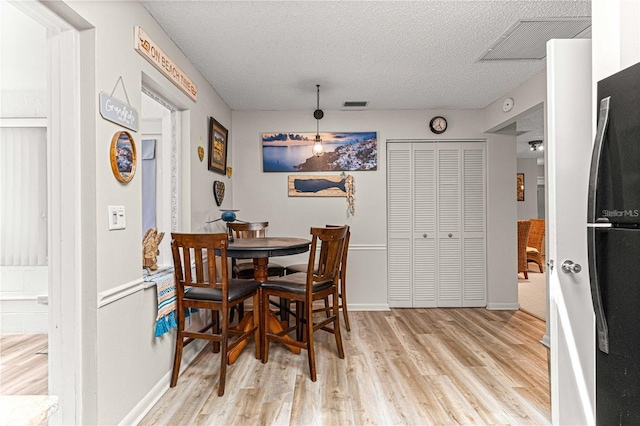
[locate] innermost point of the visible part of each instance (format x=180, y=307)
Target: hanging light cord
x=317, y=108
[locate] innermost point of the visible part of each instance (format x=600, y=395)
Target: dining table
x=260, y=250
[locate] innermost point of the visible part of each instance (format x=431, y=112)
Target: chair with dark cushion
x=342, y=293
x=523, y=235
x=210, y=289
x=318, y=283
x=243, y=268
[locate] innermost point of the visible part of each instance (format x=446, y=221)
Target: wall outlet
x=117, y=218
x=43, y=300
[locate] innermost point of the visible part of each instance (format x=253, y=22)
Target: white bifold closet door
x=436, y=224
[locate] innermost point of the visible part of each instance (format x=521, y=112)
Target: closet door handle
x=424, y=235
x=450, y=235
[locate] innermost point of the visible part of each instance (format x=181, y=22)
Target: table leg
x=245, y=325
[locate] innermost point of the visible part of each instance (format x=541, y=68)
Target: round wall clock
x=438, y=125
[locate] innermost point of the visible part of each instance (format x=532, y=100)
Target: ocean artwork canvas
x=343, y=151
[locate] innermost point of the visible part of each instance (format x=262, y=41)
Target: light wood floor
x=23, y=364
x=406, y=366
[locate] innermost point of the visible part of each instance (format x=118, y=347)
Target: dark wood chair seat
x=318, y=283
x=342, y=293
x=209, y=289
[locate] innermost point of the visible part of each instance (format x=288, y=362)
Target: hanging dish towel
x=166, y=287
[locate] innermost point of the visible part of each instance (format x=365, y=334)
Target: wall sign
x=152, y=53
x=118, y=112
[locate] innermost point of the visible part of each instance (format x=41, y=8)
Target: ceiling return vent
x=355, y=104
x=527, y=39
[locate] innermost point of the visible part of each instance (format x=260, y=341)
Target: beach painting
x=343, y=151
x=318, y=186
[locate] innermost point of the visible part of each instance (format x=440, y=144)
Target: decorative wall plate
x=218, y=192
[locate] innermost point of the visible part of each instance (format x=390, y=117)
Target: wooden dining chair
x=210, y=289
x=534, y=243
x=317, y=283
x=523, y=235
x=243, y=268
x=342, y=292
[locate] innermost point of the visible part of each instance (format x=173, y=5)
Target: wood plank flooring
x=404, y=366
x=23, y=364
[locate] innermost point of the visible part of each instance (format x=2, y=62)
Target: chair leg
x=299, y=321
x=257, y=336
x=311, y=353
x=224, y=356
x=526, y=275
x=177, y=358
x=215, y=330
x=336, y=324
x=264, y=326
x=343, y=295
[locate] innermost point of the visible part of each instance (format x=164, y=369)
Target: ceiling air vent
x=527, y=39
x=355, y=104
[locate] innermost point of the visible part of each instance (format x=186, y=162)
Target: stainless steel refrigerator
x=613, y=231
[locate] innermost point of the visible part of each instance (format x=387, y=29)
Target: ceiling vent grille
x=527, y=39
x=355, y=104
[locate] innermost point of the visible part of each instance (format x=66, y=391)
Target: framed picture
x=123, y=156
x=343, y=151
x=318, y=186
x=217, y=147
x=520, y=186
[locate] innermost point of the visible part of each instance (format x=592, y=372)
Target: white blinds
x=23, y=196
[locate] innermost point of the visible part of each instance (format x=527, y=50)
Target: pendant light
x=318, y=149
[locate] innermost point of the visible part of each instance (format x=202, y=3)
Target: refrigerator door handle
x=601, y=320
x=596, y=296
x=603, y=121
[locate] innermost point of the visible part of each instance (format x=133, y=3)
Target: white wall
x=263, y=196
x=122, y=362
x=528, y=208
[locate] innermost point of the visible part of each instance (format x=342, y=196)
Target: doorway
x=24, y=257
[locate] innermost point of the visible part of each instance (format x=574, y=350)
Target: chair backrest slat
x=247, y=229
x=329, y=260
x=205, y=247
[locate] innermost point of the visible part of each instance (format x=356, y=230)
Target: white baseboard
x=503, y=306
x=145, y=405
x=368, y=307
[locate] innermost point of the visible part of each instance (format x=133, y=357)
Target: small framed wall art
x=217, y=147
x=520, y=186
x=123, y=156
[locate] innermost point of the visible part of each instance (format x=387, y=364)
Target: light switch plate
x=117, y=218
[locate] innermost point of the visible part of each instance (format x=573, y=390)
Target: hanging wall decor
x=520, y=186
x=293, y=152
x=317, y=186
x=201, y=150
x=123, y=156
x=218, y=192
x=218, y=135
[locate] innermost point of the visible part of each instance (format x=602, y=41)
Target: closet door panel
x=399, y=184
x=474, y=282
x=424, y=225
x=449, y=273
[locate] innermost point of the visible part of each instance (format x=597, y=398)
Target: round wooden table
x=260, y=250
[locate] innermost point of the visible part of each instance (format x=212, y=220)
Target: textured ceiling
x=269, y=55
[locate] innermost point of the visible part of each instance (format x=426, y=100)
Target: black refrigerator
x=613, y=232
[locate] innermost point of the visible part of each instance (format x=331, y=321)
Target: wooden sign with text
x=152, y=53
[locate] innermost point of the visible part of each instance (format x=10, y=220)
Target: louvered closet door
x=449, y=225
x=424, y=225
x=474, y=257
x=399, y=202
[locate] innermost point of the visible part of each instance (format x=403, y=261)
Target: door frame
x=64, y=217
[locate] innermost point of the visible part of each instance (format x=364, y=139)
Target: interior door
x=568, y=154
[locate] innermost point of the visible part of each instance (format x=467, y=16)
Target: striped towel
x=166, y=287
